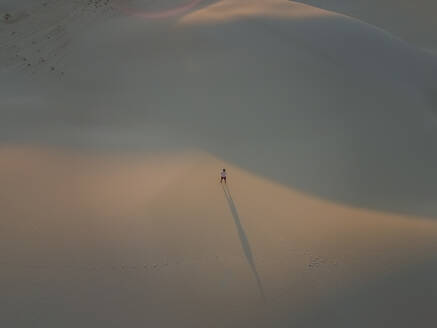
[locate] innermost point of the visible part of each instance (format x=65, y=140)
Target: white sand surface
x=113, y=137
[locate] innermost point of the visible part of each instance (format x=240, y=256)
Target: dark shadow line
x=245, y=245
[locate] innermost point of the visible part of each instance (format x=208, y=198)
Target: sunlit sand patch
x=125, y=184
x=229, y=10
x=165, y=219
x=158, y=14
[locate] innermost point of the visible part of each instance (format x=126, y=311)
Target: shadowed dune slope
x=314, y=100
x=413, y=21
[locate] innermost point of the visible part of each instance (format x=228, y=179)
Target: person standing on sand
x=223, y=176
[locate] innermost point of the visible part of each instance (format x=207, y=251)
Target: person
x=223, y=176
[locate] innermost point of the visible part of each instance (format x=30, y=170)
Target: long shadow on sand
x=245, y=245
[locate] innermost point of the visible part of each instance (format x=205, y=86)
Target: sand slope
x=156, y=240
x=311, y=99
x=111, y=212
x=413, y=21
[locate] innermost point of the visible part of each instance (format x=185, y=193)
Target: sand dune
x=111, y=211
x=348, y=103
x=127, y=239
x=413, y=21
